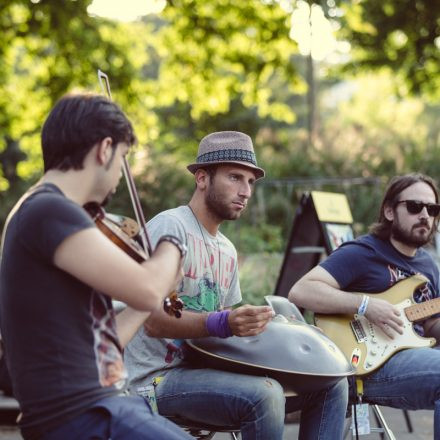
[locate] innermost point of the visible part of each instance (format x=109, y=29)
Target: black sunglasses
x=415, y=207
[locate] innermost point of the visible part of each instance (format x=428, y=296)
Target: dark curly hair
x=76, y=123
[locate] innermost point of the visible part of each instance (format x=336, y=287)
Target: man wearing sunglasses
x=393, y=251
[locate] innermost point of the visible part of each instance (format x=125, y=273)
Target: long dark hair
x=382, y=228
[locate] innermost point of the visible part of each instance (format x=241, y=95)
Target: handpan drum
x=293, y=352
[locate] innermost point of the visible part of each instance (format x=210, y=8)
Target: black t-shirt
x=60, y=335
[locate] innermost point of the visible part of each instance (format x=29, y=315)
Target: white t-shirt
x=210, y=283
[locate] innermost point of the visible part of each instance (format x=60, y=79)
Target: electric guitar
x=364, y=344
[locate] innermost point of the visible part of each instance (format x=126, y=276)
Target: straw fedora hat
x=226, y=147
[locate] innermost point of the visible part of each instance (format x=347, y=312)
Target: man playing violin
x=393, y=251
x=225, y=174
x=62, y=342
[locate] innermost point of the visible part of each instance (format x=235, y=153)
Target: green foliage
x=222, y=65
x=224, y=49
x=261, y=237
x=379, y=133
x=258, y=276
x=43, y=51
x=400, y=34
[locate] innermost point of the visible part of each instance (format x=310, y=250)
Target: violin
x=172, y=305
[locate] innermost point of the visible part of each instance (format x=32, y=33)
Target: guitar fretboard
x=422, y=310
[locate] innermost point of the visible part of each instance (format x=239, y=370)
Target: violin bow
x=105, y=86
x=172, y=303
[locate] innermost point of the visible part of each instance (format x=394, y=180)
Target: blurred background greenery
x=338, y=95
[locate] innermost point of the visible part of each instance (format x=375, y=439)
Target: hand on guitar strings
x=249, y=320
x=385, y=316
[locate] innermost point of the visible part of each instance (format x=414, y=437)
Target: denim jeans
x=118, y=418
x=322, y=412
x=256, y=404
x=409, y=380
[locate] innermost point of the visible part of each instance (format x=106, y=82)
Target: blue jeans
x=256, y=404
x=322, y=412
x=118, y=418
x=409, y=380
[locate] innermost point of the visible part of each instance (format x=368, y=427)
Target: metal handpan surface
x=282, y=306
x=298, y=355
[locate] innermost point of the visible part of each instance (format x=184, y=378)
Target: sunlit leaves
x=399, y=34
x=376, y=132
x=223, y=49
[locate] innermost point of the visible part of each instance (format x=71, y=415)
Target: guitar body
x=364, y=344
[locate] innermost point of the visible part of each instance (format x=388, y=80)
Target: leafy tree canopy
x=235, y=48
x=401, y=34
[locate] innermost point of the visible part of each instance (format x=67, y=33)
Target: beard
x=412, y=238
x=218, y=205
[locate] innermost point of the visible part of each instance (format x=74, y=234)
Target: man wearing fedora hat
x=225, y=172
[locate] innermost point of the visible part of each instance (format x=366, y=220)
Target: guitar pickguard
x=378, y=345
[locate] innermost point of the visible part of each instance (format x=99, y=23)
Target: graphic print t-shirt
x=59, y=334
x=371, y=265
x=210, y=283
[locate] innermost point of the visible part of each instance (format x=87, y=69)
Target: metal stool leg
x=383, y=423
x=347, y=429
x=382, y=428
x=379, y=429
x=408, y=420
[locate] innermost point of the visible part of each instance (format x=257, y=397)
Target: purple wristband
x=217, y=324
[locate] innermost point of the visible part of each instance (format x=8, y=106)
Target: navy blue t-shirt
x=60, y=335
x=371, y=265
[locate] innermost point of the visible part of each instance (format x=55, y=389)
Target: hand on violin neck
x=249, y=320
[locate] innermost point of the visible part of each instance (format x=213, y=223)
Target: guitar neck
x=423, y=310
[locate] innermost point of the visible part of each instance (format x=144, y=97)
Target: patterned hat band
x=227, y=156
